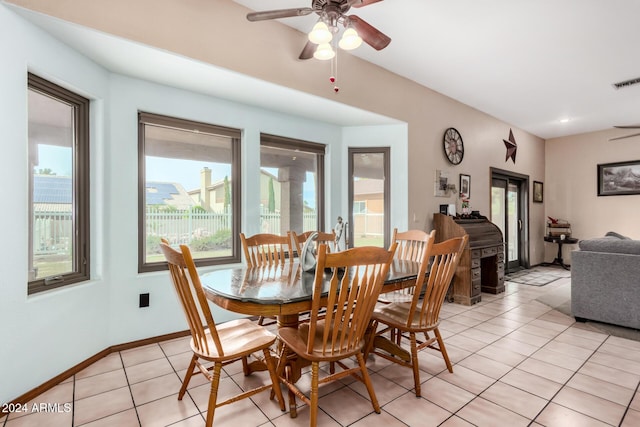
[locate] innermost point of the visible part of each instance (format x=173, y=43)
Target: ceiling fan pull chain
x=334, y=73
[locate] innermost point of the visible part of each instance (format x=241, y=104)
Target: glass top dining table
x=283, y=290
x=286, y=291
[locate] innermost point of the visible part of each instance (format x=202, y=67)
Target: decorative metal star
x=511, y=147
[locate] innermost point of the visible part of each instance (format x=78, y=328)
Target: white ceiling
x=137, y=60
x=529, y=63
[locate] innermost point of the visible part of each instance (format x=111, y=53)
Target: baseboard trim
x=32, y=394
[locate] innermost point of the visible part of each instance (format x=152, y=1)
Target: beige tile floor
x=518, y=362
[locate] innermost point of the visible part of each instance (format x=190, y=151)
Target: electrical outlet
x=144, y=300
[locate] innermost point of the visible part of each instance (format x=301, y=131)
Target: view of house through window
x=58, y=185
x=369, y=197
x=291, y=185
x=190, y=187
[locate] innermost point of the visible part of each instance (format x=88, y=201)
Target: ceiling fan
x=332, y=13
x=626, y=136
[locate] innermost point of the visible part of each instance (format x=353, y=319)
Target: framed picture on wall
x=465, y=186
x=617, y=179
x=538, y=192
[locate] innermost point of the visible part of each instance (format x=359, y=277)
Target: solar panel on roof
x=59, y=189
x=52, y=189
x=158, y=192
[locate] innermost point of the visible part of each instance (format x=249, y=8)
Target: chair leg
x=414, y=363
x=187, y=377
x=284, y=371
x=367, y=382
x=275, y=381
x=313, y=420
x=443, y=350
x=293, y=406
x=213, y=395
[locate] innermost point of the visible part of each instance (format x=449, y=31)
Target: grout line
x=135, y=407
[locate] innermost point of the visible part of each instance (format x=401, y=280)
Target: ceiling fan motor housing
x=341, y=6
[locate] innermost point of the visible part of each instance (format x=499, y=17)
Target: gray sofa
x=605, y=280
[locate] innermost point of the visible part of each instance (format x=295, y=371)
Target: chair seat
x=396, y=315
x=296, y=339
x=239, y=338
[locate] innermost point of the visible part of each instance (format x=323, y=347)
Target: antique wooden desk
x=481, y=267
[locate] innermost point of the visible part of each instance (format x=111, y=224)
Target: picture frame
x=619, y=179
x=443, y=184
x=465, y=186
x=538, y=192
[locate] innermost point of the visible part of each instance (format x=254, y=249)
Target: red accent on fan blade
x=371, y=35
x=276, y=14
x=308, y=50
x=361, y=3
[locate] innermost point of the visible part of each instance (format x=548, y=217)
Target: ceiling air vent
x=627, y=83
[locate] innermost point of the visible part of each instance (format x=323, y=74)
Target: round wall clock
x=453, y=146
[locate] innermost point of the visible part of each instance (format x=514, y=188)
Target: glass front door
x=508, y=212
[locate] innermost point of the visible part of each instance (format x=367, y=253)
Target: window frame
x=386, y=172
x=275, y=141
x=81, y=188
x=145, y=118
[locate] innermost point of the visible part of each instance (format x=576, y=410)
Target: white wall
x=571, y=190
x=48, y=333
x=44, y=335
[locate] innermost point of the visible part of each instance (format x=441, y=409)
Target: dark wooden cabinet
x=481, y=267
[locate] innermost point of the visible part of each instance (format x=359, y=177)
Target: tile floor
x=518, y=362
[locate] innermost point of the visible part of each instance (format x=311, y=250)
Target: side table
x=559, y=241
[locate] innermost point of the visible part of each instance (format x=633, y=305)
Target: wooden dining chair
x=266, y=249
x=221, y=344
x=355, y=281
x=411, y=247
x=421, y=315
x=299, y=239
x=261, y=250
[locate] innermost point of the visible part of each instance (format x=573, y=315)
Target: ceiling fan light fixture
x=324, y=52
x=320, y=33
x=350, y=39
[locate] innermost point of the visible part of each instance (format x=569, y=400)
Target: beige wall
x=217, y=32
x=571, y=187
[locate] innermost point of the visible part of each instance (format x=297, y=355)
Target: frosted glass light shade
x=324, y=52
x=350, y=39
x=320, y=33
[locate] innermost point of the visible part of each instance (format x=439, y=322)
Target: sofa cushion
x=611, y=244
x=618, y=235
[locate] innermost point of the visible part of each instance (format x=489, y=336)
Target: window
x=58, y=122
x=359, y=207
x=291, y=185
x=189, y=186
x=369, y=196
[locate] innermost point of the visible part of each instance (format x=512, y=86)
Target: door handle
x=520, y=224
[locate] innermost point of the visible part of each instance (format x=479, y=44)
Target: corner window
x=58, y=122
x=189, y=187
x=291, y=185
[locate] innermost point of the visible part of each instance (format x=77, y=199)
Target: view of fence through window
x=290, y=185
x=189, y=188
x=59, y=247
